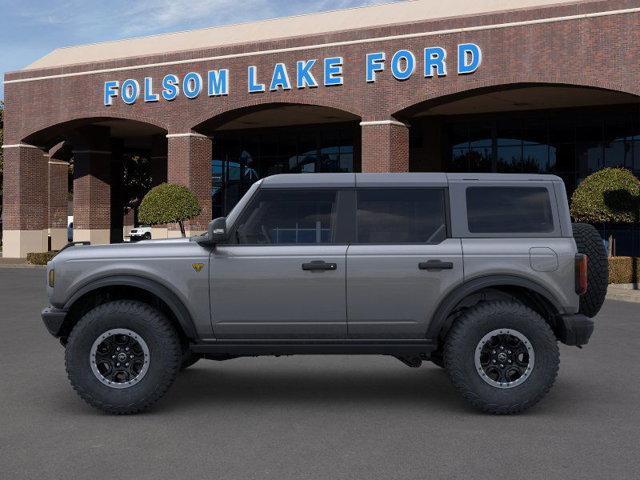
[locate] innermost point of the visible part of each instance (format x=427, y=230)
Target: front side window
x=509, y=210
x=277, y=217
x=401, y=216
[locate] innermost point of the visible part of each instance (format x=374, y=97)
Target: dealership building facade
x=546, y=86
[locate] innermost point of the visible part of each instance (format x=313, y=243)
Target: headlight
x=52, y=277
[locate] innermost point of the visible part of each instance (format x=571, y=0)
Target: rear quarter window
x=509, y=210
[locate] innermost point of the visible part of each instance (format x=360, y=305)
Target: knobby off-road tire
x=131, y=327
x=437, y=358
x=468, y=333
x=589, y=243
x=189, y=358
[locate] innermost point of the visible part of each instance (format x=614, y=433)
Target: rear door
x=284, y=274
x=402, y=261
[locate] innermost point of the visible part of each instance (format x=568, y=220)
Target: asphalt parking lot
x=314, y=417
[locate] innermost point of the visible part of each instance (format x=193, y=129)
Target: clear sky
x=30, y=29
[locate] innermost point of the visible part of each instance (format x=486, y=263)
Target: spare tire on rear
x=590, y=243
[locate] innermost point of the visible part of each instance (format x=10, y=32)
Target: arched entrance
x=92, y=172
x=564, y=130
x=258, y=141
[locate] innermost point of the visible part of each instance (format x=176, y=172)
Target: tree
x=136, y=181
x=611, y=195
x=169, y=203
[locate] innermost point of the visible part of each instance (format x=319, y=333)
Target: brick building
x=545, y=86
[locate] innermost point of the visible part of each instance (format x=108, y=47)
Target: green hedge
x=609, y=195
x=621, y=270
x=40, y=258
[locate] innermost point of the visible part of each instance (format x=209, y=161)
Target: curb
x=20, y=265
x=624, y=296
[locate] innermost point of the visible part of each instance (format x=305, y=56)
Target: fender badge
x=197, y=266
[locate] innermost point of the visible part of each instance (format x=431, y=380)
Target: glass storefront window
x=619, y=154
x=589, y=156
x=241, y=157
x=571, y=143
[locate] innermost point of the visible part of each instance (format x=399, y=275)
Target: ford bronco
x=482, y=274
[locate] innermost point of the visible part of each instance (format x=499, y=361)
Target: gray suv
x=479, y=274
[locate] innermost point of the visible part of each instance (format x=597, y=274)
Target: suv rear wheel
x=123, y=356
x=502, y=356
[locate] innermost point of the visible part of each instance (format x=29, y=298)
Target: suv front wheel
x=502, y=356
x=123, y=356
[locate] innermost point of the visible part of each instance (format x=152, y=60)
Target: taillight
x=581, y=274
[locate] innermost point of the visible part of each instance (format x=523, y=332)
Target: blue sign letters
x=431, y=62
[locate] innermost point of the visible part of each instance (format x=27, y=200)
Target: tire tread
x=456, y=338
x=165, y=331
x=589, y=242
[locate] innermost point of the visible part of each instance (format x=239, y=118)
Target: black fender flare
x=469, y=287
x=176, y=306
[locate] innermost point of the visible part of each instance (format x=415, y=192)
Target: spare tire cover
x=590, y=243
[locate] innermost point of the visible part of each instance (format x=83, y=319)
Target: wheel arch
x=530, y=292
x=116, y=287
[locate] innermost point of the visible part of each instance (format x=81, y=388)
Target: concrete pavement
x=314, y=417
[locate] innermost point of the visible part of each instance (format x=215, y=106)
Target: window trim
x=342, y=202
x=445, y=206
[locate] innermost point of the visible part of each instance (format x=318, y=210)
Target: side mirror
x=217, y=230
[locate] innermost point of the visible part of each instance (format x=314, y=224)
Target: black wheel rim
x=504, y=358
x=119, y=358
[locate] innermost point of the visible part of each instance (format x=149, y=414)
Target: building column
x=58, y=191
x=158, y=160
x=59, y=157
x=385, y=146
x=92, y=196
x=117, y=208
x=92, y=185
x=189, y=164
x=25, y=201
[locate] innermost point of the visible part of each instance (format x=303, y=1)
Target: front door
x=283, y=273
x=401, y=264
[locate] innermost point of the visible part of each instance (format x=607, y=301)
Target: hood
x=145, y=248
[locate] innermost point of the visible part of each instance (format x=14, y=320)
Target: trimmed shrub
x=169, y=203
x=609, y=195
x=621, y=270
x=40, y=258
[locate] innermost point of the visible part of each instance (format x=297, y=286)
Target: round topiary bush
x=609, y=195
x=169, y=203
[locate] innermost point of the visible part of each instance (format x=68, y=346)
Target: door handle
x=435, y=265
x=319, y=265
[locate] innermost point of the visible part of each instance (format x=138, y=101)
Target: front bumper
x=53, y=319
x=574, y=330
